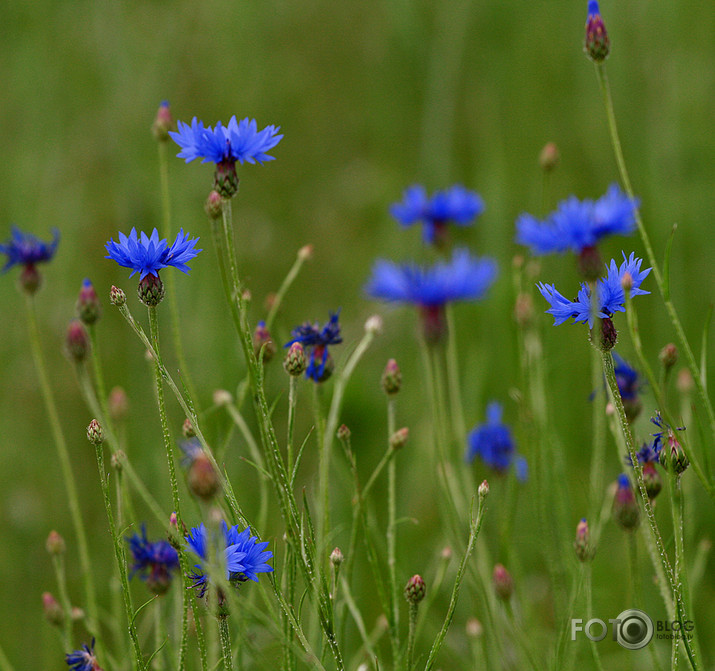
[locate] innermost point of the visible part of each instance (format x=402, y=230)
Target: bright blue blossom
x=154, y=562
x=627, y=377
x=148, y=255
x=609, y=290
x=84, y=659
x=455, y=204
x=24, y=249
x=493, y=443
x=316, y=340
x=578, y=224
x=245, y=558
x=239, y=141
x=648, y=454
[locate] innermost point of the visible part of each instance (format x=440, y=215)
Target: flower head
x=455, y=204
x=316, y=340
x=494, y=444
x=629, y=386
x=244, y=557
x=24, y=249
x=670, y=452
x=84, y=659
x=148, y=255
x=239, y=141
x=153, y=561
x=625, y=508
x=597, y=44
x=576, y=224
x=609, y=293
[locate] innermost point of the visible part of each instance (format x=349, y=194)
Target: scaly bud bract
x=262, y=341
x=77, y=341
x=95, y=435
x=399, y=439
x=625, y=507
x=597, y=44
x=214, y=205
x=163, y=122
x=151, y=290
x=668, y=356
x=295, y=362
x=55, y=544
x=391, y=378
x=117, y=296
x=415, y=589
x=582, y=544
x=88, y=307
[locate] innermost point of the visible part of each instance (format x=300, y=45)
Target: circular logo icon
x=634, y=630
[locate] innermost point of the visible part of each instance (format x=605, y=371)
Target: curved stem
x=225, y=637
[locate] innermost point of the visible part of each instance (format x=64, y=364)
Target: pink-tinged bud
x=446, y=553
x=262, y=341
x=188, y=429
x=399, y=439
x=117, y=460
x=117, y=296
x=151, y=290
x=95, y=435
x=608, y=335
x=336, y=557
x=668, y=356
x=503, y=583
x=483, y=490
x=202, y=478
x=295, y=362
x=474, y=628
x=343, y=432
x=391, y=378
x=625, y=507
x=652, y=480
x=52, y=609
x=55, y=544
x=305, y=253
x=77, y=614
x=163, y=122
x=415, y=589
x=685, y=383
x=77, y=341
x=214, y=205
x=226, y=179
x=672, y=456
x=30, y=279
x=582, y=544
x=627, y=282
x=589, y=263
x=597, y=44
x=549, y=157
x=88, y=307
x=118, y=404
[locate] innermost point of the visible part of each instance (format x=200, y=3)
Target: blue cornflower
x=455, y=204
x=609, y=290
x=578, y=224
x=148, y=255
x=239, y=141
x=463, y=278
x=316, y=341
x=24, y=249
x=245, y=558
x=648, y=454
x=154, y=562
x=494, y=444
x=629, y=386
x=84, y=659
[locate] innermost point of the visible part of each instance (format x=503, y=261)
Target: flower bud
x=88, y=307
x=582, y=544
x=597, y=44
x=305, y=253
x=483, y=490
x=652, y=480
x=221, y=397
x=336, y=557
x=117, y=460
x=30, y=279
x=374, y=325
x=343, y=432
x=503, y=583
x=95, y=435
x=52, y=609
x=672, y=456
x=77, y=341
x=118, y=404
x=668, y=356
x=391, y=378
x=262, y=341
x=55, y=544
x=117, y=296
x=188, y=429
x=524, y=310
x=214, y=205
x=163, y=122
x=474, y=628
x=627, y=282
x=295, y=362
x=151, y=290
x=415, y=589
x=549, y=157
x=399, y=439
x=684, y=383
x=202, y=478
x=226, y=179
x=625, y=508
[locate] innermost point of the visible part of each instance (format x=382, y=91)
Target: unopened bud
x=503, y=582
x=627, y=282
x=474, y=628
x=399, y=439
x=446, y=553
x=55, y=544
x=549, y=157
x=262, y=341
x=221, y=397
x=685, y=383
x=117, y=460
x=625, y=507
x=336, y=557
x=672, y=456
x=305, y=253
x=652, y=480
x=483, y=490
x=95, y=435
x=118, y=404
x=214, y=205
x=391, y=378
x=202, y=478
x=597, y=44
x=88, y=306
x=295, y=362
x=669, y=356
x=582, y=544
x=30, y=279
x=163, y=122
x=151, y=290
x=187, y=429
x=343, y=432
x=374, y=325
x=524, y=310
x=117, y=296
x=52, y=609
x=77, y=341
x=415, y=589
x=77, y=614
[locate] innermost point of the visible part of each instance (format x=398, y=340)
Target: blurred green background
x=371, y=97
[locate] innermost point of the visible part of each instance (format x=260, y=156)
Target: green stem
x=391, y=539
x=300, y=259
x=225, y=637
x=98, y=375
x=660, y=281
x=120, y=559
x=292, y=400
x=589, y=612
x=67, y=475
x=411, y=636
x=5, y=662
x=598, y=430
x=58, y=564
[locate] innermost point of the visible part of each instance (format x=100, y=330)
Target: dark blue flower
x=239, y=141
x=627, y=377
x=84, y=659
x=316, y=340
x=609, y=290
x=148, y=255
x=493, y=443
x=24, y=249
x=244, y=557
x=648, y=454
x=577, y=225
x=154, y=562
x=455, y=204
